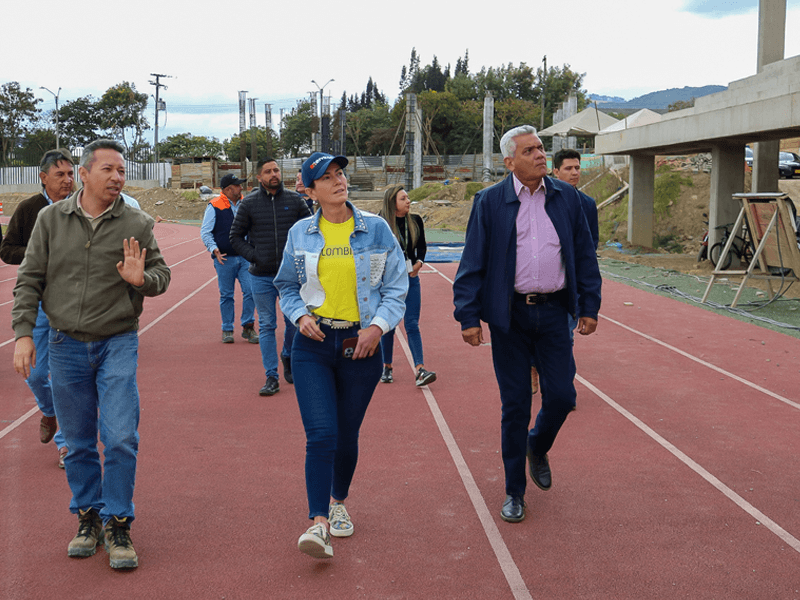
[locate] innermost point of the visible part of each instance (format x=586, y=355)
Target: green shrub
x=473, y=187
x=422, y=192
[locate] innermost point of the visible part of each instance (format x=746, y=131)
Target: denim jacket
x=382, y=282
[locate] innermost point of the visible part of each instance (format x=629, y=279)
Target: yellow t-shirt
x=337, y=272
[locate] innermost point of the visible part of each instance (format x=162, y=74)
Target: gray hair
x=52, y=157
x=507, y=144
x=87, y=158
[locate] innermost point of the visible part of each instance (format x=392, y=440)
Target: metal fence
x=161, y=172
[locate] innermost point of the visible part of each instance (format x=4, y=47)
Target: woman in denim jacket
x=343, y=283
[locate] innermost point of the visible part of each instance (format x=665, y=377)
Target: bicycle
x=742, y=247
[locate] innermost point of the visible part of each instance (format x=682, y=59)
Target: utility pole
x=253, y=144
x=542, y=82
x=159, y=103
x=242, y=143
x=268, y=117
x=58, y=144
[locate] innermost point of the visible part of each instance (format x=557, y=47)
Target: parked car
x=788, y=164
x=748, y=157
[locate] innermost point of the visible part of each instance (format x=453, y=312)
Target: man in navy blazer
x=528, y=263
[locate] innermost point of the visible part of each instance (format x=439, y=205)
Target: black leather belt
x=539, y=298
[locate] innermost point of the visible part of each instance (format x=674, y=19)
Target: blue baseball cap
x=315, y=166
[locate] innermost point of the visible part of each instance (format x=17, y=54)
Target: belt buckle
x=533, y=299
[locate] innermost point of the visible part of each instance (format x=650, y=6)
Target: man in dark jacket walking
x=259, y=233
x=528, y=263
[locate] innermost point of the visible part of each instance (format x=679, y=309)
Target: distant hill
x=656, y=100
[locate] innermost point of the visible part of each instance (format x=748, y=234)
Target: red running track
x=675, y=478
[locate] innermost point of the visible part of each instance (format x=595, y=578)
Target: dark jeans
x=411, y=323
x=539, y=332
x=333, y=393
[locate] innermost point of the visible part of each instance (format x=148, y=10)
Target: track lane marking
x=501, y=551
x=694, y=466
x=700, y=361
x=147, y=327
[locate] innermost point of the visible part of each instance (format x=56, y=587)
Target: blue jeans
x=265, y=295
x=411, y=323
x=538, y=331
x=94, y=389
x=333, y=393
x=572, y=323
x=234, y=267
x=39, y=379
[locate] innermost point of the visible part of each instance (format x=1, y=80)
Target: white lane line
x=700, y=361
x=501, y=551
x=7, y=342
x=175, y=306
x=721, y=487
x=18, y=422
x=147, y=327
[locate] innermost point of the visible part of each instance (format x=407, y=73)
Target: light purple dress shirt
x=539, y=265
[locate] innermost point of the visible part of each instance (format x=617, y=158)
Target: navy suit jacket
x=484, y=285
x=590, y=209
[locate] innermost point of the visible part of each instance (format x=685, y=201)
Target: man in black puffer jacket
x=259, y=234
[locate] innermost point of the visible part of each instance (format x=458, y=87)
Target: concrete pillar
x=771, y=46
x=418, y=149
x=727, y=178
x=411, y=126
x=641, y=200
x=488, y=136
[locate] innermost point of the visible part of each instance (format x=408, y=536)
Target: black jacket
x=261, y=226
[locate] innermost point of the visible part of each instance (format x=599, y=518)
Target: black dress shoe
x=539, y=468
x=270, y=388
x=287, y=368
x=513, y=509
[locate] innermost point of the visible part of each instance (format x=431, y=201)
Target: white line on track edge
x=721, y=487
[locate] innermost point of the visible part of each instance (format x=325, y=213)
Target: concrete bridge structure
x=758, y=110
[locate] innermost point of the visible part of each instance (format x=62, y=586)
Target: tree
x=297, y=128
x=186, y=144
x=122, y=109
x=681, y=104
x=263, y=147
x=17, y=110
x=80, y=122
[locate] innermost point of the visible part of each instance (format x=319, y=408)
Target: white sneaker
x=341, y=525
x=316, y=542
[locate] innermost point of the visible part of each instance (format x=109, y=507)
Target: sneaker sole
x=310, y=545
x=340, y=533
x=81, y=552
x=426, y=381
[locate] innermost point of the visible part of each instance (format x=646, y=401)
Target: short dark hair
x=87, y=158
x=264, y=161
x=52, y=157
x=563, y=155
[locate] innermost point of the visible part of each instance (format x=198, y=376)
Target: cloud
x=721, y=8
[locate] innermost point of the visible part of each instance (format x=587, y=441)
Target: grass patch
x=666, y=190
x=611, y=219
x=473, y=188
x=191, y=195
x=419, y=194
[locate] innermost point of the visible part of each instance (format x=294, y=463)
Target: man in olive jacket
x=91, y=261
x=259, y=234
x=57, y=175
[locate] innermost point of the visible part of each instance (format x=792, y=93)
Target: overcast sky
x=273, y=50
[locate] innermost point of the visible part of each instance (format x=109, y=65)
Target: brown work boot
x=120, y=550
x=90, y=533
x=47, y=429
